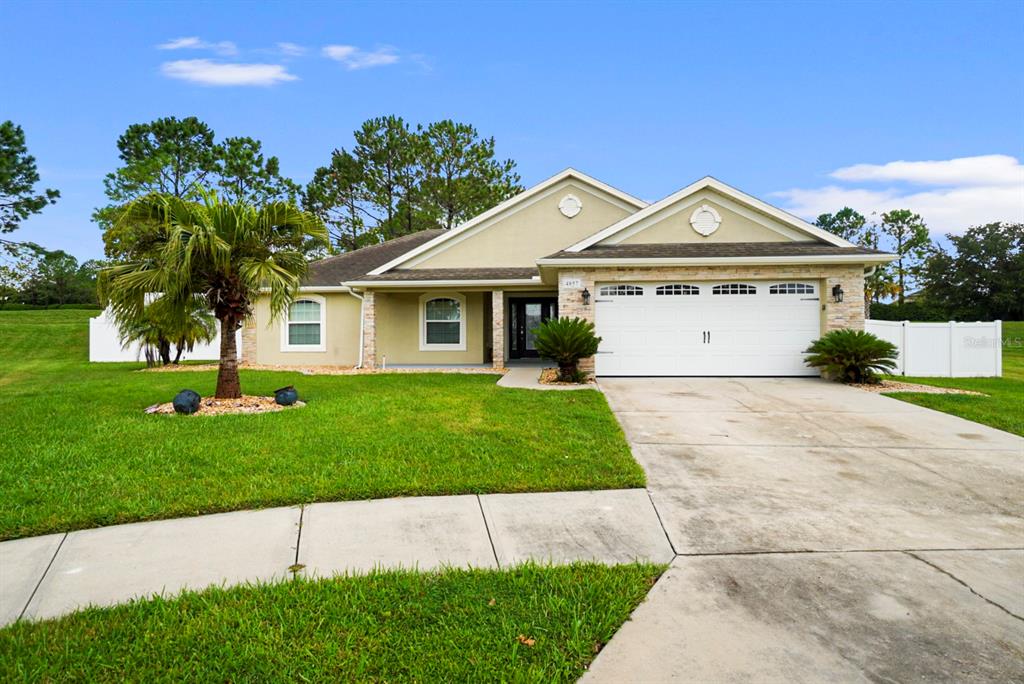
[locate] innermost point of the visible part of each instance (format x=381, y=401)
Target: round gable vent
x=570, y=206
x=705, y=220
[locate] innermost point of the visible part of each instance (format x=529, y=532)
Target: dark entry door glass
x=527, y=314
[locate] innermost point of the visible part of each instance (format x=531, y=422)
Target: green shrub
x=922, y=311
x=565, y=341
x=852, y=355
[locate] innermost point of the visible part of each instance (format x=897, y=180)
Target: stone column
x=249, y=340
x=498, y=329
x=369, y=330
x=850, y=312
x=570, y=304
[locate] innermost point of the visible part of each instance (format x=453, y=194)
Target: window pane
x=442, y=333
x=304, y=311
x=442, y=310
x=303, y=333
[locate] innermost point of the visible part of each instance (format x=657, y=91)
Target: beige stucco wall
x=398, y=331
x=847, y=314
x=540, y=229
x=672, y=225
x=341, y=335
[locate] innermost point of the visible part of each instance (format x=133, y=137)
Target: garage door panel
x=707, y=334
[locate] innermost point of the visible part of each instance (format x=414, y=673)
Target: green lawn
x=78, y=452
x=1003, y=408
x=451, y=626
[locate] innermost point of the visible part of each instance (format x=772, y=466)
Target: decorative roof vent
x=705, y=220
x=570, y=206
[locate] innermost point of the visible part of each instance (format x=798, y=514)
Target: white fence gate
x=949, y=350
x=105, y=344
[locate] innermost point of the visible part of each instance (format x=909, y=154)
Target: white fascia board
x=443, y=283
x=315, y=288
x=504, y=206
x=720, y=261
x=722, y=188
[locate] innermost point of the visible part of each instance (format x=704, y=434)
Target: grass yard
x=451, y=626
x=1003, y=408
x=78, y=452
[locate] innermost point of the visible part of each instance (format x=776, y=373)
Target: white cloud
x=292, y=49
x=353, y=58
x=224, y=47
x=207, y=72
x=989, y=169
x=963, y=192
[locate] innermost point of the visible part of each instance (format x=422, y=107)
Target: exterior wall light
x=586, y=297
x=837, y=293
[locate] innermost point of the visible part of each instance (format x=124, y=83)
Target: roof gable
x=753, y=220
x=332, y=271
x=568, y=181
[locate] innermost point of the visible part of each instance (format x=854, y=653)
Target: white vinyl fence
x=949, y=350
x=105, y=344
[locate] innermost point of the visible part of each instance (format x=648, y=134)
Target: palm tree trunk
x=228, y=384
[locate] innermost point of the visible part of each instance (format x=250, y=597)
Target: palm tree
x=162, y=325
x=225, y=252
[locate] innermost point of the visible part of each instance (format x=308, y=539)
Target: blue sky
x=806, y=105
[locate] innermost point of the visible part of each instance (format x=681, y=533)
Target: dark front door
x=527, y=314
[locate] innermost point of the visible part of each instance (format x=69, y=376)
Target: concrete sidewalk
x=44, y=577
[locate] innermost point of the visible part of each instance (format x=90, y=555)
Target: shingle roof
x=697, y=250
x=406, y=274
x=349, y=266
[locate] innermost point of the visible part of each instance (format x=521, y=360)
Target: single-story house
x=707, y=281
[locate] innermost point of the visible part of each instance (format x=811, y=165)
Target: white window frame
x=285, y=322
x=430, y=296
x=620, y=290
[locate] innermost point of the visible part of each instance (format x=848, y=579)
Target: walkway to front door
x=527, y=314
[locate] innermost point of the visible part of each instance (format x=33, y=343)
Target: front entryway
x=525, y=315
x=707, y=328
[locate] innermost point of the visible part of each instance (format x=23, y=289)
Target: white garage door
x=700, y=328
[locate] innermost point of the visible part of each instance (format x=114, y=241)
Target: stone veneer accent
x=498, y=329
x=848, y=314
x=369, y=330
x=249, y=340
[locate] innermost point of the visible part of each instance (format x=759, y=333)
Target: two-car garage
x=706, y=328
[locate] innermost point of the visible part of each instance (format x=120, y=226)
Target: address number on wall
x=569, y=283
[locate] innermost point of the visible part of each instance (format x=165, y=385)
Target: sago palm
x=565, y=341
x=221, y=251
x=852, y=355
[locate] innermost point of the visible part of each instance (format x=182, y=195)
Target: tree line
x=978, y=279
x=397, y=179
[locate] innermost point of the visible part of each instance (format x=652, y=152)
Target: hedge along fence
x=43, y=307
x=948, y=350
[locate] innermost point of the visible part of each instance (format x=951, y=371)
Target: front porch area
x=453, y=328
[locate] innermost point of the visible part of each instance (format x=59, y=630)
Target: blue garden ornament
x=286, y=396
x=186, y=402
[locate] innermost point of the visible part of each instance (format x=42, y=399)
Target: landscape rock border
x=211, y=406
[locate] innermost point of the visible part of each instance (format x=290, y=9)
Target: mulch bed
x=216, y=407
x=890, y=386
x=549, y=376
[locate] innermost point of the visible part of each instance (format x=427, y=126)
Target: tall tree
x=461, y=176
x=245, y=175
x=181, y=158
x=387, y=148
x=225, y=252
x=853, y=227
x=983, y=277
x=846, y=223
x=338, y=195
x=911, y=244
x=397, y=180
x=18, y=178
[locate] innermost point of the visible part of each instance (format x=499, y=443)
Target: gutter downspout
x=362, y=306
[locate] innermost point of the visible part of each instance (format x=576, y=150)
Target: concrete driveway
x=822, y=533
